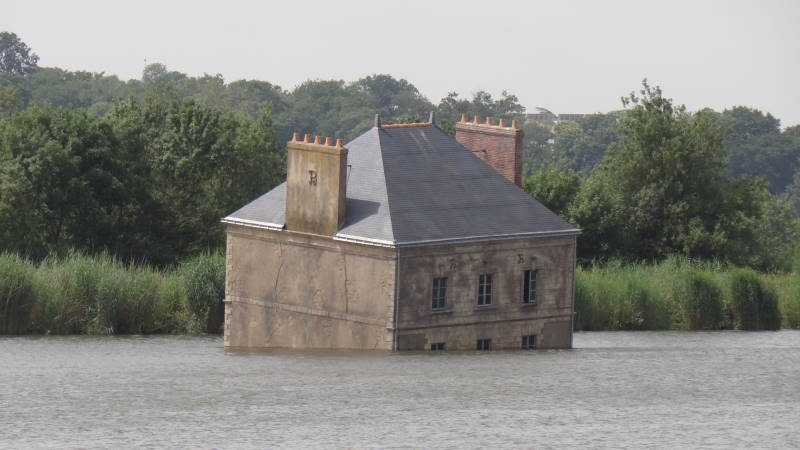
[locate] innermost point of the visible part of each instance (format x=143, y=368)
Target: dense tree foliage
x=481, y=104
x=145, y=168
x=15, y=56
x=148, y=181
x=664, y=187
x=757, y=148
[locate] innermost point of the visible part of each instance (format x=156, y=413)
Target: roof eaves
x=252, y=223
x=364, y=240
x=496, y=237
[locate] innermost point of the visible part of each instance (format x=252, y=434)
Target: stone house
x=402, y=239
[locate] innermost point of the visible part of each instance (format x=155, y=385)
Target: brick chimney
x=499, y=145
x=315, y=185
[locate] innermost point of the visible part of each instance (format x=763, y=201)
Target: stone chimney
x=316, y=181
x=498, y=145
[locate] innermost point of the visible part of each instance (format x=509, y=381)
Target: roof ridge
x=404, y=125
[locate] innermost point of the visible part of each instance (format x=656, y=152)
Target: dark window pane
x=439, y=293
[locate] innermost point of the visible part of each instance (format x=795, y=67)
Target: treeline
x=324, y=107
x=654, y=180
x=143, y=169
x=148, y=181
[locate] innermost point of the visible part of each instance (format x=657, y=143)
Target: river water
x=614, y=390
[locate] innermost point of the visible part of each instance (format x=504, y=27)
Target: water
x=615, y=390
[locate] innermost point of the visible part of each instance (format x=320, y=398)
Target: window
x=529, y=342
x=437, y=346
x=529, y=287
x=485, y=290
x=439, y=293
x=484, y=344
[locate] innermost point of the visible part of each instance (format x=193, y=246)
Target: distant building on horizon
x=403, y=239
x=546, y=116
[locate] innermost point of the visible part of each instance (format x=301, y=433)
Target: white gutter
x=393, y=244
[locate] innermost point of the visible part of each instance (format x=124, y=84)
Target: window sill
x=485, y=307
x=441, y=311
x=529, y=305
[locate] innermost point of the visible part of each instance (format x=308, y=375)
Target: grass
x=81, y=294
x=680, y=294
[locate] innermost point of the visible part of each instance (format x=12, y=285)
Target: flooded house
x=404, y=238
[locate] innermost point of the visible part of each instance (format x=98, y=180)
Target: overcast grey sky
x=567, y=56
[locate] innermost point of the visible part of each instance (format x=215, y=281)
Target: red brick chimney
x=497, y=145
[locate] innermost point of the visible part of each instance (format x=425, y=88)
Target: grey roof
x=417, y=185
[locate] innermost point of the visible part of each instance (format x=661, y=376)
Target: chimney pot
x=489, y=121
x=295, y=136
x=307, y=138
x=502, y=122
x=339, y=142
x=514, y=124
x=463, y=117
x=328, y=140
x=318, y=139
x=432, y=117
x=476, y=120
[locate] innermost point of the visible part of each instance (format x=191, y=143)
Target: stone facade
x=294, y=290
x=462, y=321
x=297, y=290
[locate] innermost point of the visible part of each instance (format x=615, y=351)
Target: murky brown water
x=634, y=390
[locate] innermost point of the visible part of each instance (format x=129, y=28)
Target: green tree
x=598, y=211
x=757, y=148
x=395, y=100
x=668, y=167
x=554, y=188
x=10, y=101
x=582, y=144
x=536, y=144
x=15, y=56
x=482, y=104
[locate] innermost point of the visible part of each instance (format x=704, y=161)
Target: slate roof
x=416, y=185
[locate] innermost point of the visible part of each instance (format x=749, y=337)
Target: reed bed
x=80, y=294
x=681, y=294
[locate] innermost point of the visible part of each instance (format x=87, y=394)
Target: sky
x=566, y=56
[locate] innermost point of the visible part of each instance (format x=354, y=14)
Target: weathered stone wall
x=316, y=182
x=463, y=322
x=294, y=290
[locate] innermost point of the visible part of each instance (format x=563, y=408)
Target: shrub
x=754, y=305
x=17, y=294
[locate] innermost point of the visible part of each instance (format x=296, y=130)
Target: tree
x=668, y=168
x=10, y=101
x=757, y=148
x=536, y=144
x=582, y=144
x=395, y=100
x=15, y=56
x=554, y=188
x=482, y=104
x=598, y=211
x=793, y=194
x=158, y=73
